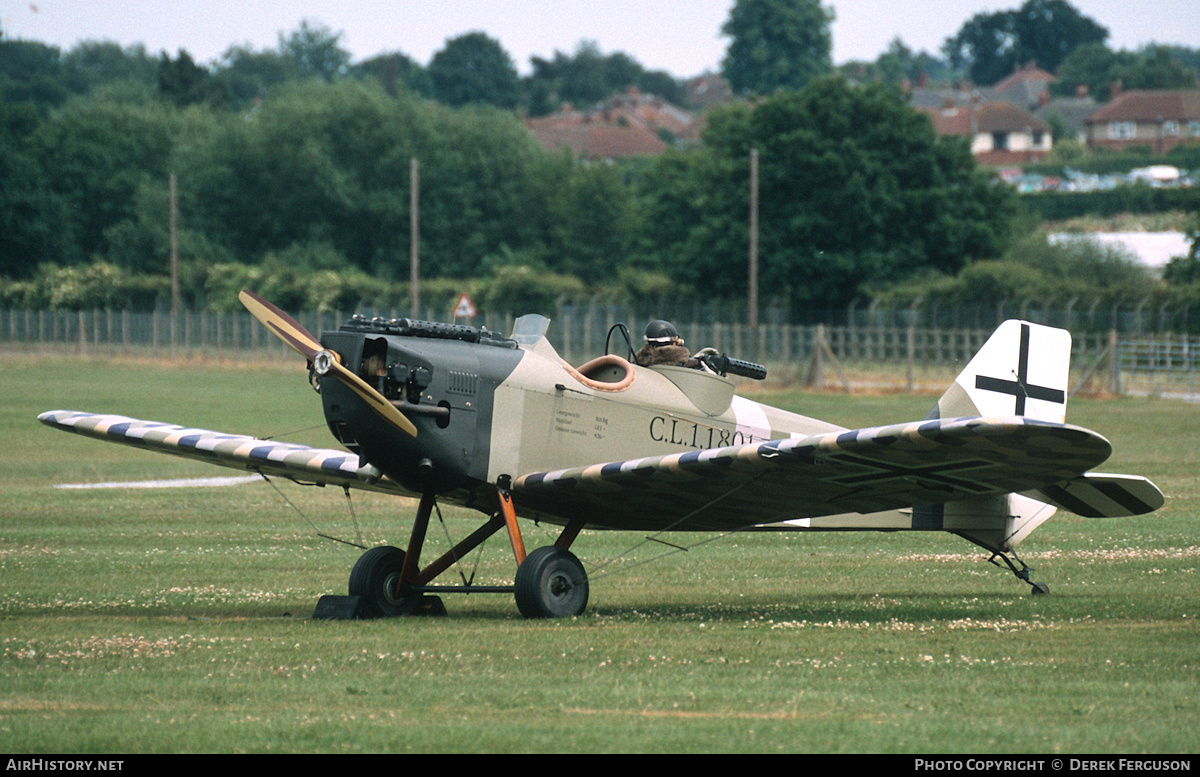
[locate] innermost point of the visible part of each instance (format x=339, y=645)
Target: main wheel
x=551, y=583
x=376, y=579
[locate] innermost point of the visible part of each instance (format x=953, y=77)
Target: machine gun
x=727, y=365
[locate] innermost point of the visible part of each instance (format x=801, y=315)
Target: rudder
x=1023, y=369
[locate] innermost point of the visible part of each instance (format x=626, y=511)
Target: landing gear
x=1022, y=573
x=387, y=582
x=376, y=580
x=551, y=583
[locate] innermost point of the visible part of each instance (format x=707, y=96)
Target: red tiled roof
x=986, y=117
x=1150, y=105
x=1002, y=117
x=623, y=125
x=595, y=140
x=953, y=120
x=1027, y=73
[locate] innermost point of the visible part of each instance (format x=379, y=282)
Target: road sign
x=464, y=308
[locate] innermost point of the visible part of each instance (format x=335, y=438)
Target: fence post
x=1114, y=363
x=818, y=362
x=910, y=355
x=566, y=323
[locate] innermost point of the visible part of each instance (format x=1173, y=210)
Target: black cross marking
x=1020, y=387
x=938, y=476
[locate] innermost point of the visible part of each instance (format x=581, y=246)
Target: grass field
x=176, y=620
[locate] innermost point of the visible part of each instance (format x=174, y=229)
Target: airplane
x=504, y=426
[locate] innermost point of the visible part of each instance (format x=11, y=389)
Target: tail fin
x=1021, y=370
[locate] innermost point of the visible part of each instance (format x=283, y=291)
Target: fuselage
x=489, y=409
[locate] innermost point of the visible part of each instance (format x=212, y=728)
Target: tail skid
x=1023, y=369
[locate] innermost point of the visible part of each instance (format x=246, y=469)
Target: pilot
x=664, y=346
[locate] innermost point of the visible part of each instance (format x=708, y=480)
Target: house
x=1068, y=115
x=1027, y=88
x=625, y=125
x=1157, y=119
x=589, y=137
x=708, y=90
x=999, y=133
x=1001, y=121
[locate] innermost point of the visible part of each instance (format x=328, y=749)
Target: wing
x=858, y=471
x=278, y=459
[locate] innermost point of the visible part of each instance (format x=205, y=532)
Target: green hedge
x=1133, y=198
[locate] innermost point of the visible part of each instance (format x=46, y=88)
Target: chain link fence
x=849, y=357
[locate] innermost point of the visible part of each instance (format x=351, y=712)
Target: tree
x=1092, y=66
x=314, y=51
x=92, y=63
x=474, y=69
x=589, y=76
x=1098, y=68
x=1045, y=32
x=1156, y=67
x=33, y=72
x=776, y=44
x=899, y=65
x=34, y=220
x=856, y=191
x=1049, y=30
x=248, y=75
x=1184, y=270
x=327, y=165
x=95, y=155
x=396, y=72
x=591, y=221
x=183, y=82
x=580, y=78
x=319, y=163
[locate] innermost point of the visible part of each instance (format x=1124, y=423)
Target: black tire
x=551, y=583
x=374, y=579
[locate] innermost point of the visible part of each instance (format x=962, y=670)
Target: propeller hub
x=323, y=362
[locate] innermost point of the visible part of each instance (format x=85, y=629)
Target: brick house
x=1158, y=119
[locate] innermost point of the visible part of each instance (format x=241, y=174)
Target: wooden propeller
x=325, y=361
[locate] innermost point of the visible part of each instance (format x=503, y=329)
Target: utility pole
x=752, y=302
x=174, y=258
x=414, y=235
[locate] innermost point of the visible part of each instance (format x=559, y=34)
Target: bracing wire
x=313, y=526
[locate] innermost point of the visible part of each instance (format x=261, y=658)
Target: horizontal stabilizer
x=1097, y=495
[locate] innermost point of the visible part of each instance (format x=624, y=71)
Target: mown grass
x=177, y=620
